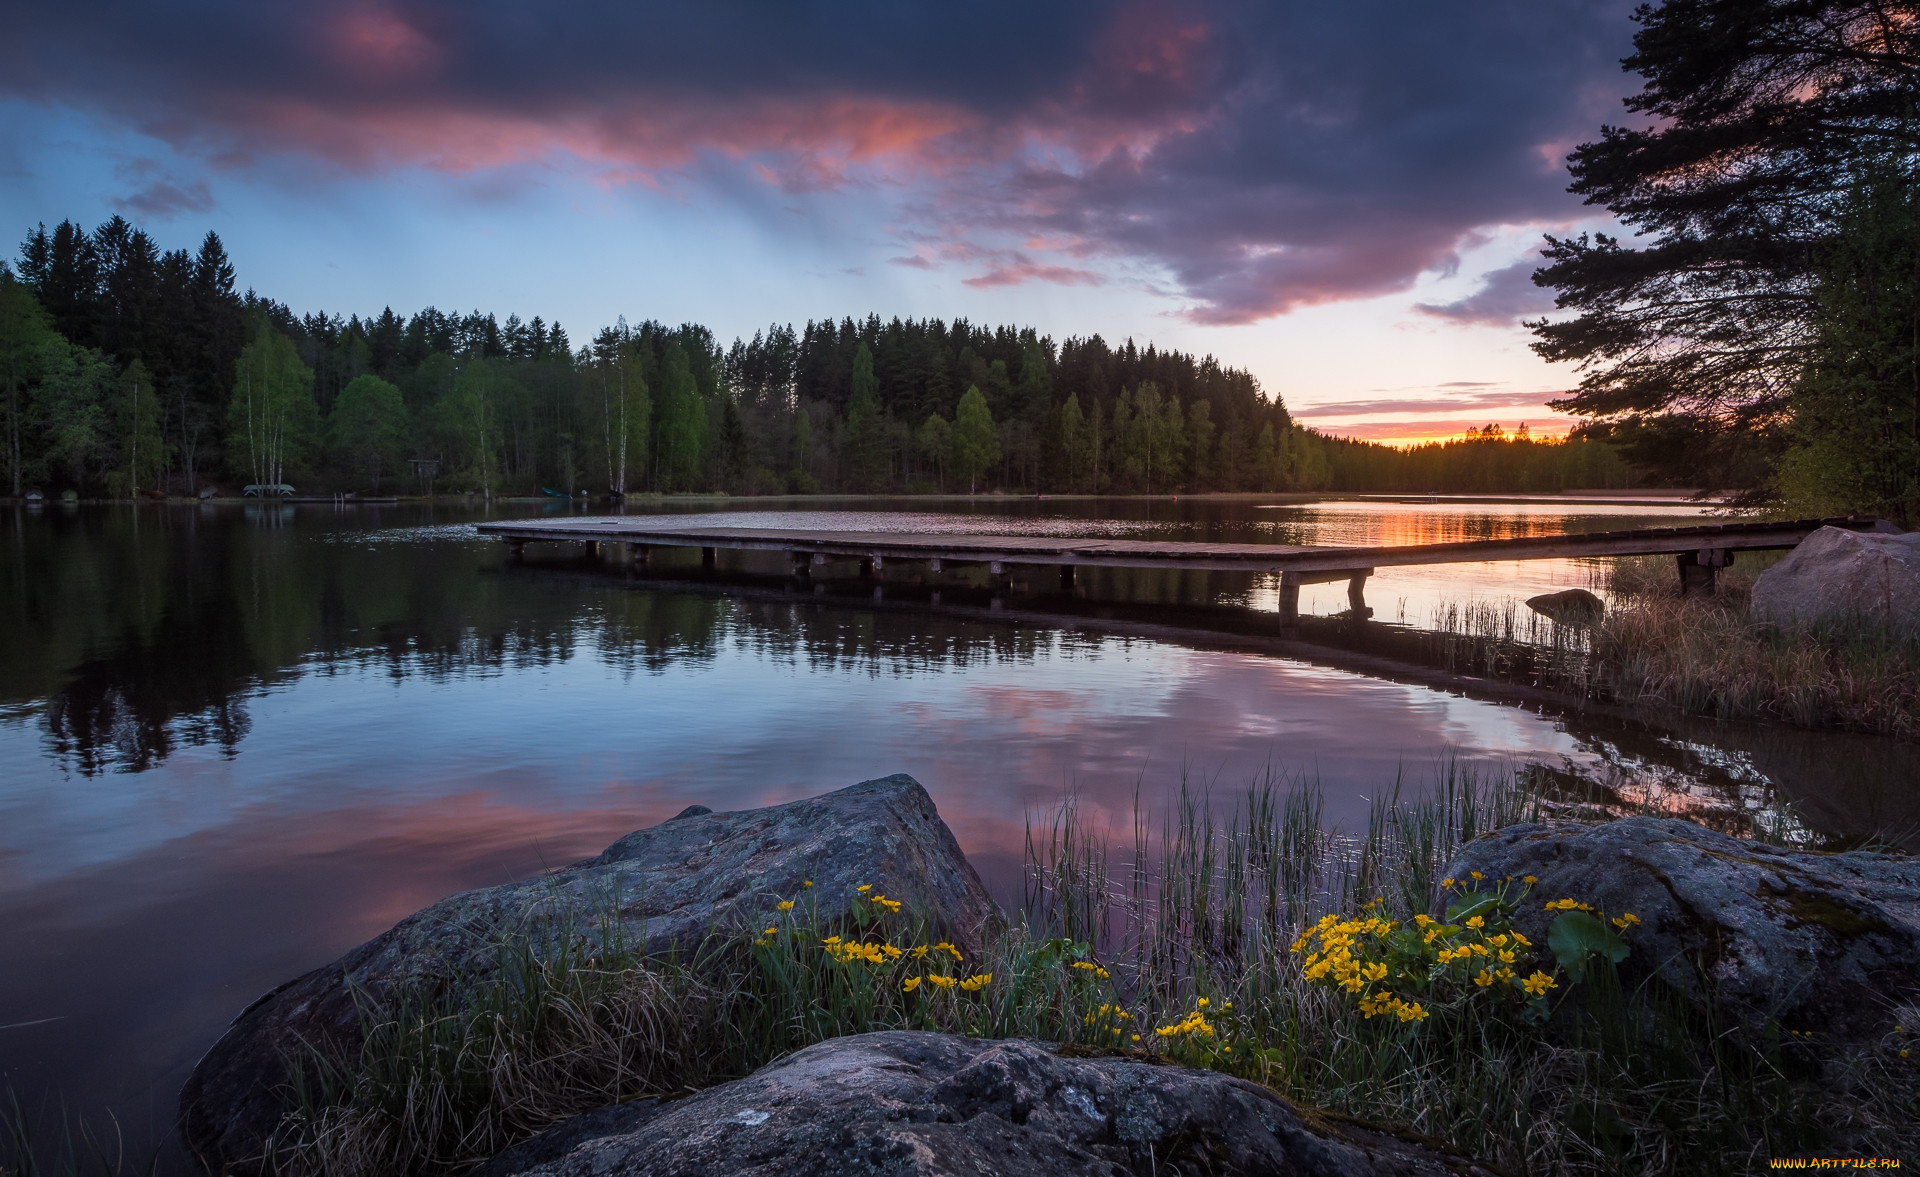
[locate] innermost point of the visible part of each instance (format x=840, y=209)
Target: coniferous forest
x=129, y=370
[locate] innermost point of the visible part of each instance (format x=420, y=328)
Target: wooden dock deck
x=1701, y=550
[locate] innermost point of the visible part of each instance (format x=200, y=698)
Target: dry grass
x=1703, y=656
x=1698, y=655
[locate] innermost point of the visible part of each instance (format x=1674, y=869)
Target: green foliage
x=1854, y=444
x=1760, y=115
x=145, y=453
x=1580, y=940
x=368, y=427
x=682, y=440
x=976, y=446
x=271, y=420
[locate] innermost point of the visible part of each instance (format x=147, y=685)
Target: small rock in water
x=672, y=884
x=1835, y=574
x=1824, y=943
x=910, y=1103
x=1572, y=606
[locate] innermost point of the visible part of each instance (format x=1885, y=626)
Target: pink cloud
x=1015, y=273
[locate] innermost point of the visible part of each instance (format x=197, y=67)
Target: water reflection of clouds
x=992, y=737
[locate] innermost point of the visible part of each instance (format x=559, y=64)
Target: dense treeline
x=1487, y=460
x=129, y=371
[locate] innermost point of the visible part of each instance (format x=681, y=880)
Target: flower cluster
x=1402, y=970
x=1195, y=1024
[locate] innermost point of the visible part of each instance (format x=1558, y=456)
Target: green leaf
x=1472, y=904
x=1577, y=937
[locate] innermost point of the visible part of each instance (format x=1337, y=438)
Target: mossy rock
x=1826, y=944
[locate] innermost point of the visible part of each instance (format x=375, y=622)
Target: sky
x=1344, y=199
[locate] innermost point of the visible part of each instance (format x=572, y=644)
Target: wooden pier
x=1701, y=551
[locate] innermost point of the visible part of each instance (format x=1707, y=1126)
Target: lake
x=236, y=741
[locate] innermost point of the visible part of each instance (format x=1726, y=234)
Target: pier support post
x=1357, y=594
x=1699, y=570
x=1289, y=599
x=709, y=558
x=867, y=567
x=516, y=548
x=590, y=548
x=801, y=564
x=1066, y=578
x=637, y=553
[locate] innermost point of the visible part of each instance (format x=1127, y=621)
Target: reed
x=1697, y=655
x=1176, y=944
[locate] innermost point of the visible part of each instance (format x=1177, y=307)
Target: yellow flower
x=1626, y=921
x=806, y=883
x=1539, y=983
x=785, y=905
x=1447, y=883
x=772, y=932
x=1506, y=956
x=1522, y=940
x=1483, y=978
x=1421, y=921
x=1568, y=905
x=943, y=946
x=1410, y=1011
x=1529, y=880
x=1374, y=972
x=909, y=985
x=976, y=982
x=1476, y=922
x=920, y=952
x=864, y=888
x=1136, y=1037
x=1200, y=1003
x=1477, y=876
x=939, y=981
x=1499, y=941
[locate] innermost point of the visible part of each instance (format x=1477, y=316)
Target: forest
x=131, y=371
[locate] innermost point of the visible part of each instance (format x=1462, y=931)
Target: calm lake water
x=234, y=742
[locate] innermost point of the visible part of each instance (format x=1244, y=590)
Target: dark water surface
x=234, y=742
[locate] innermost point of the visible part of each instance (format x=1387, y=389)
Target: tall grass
x=1202, y=900
x=75, y=1147
x=1699, y=655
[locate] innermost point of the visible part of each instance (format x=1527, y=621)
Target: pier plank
x=874, y=547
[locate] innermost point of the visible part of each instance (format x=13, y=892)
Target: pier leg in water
x=1357, y=595
x=590, y=549
x=1066, y=578
x=516, y=548
x=868, y=566
x=637, y=554
x=801, y=564
x=1700, y=570
x=709, y=558
x=1289, y=600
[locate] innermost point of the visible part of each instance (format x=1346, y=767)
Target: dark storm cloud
x=1264, y=155
x=1505, y=297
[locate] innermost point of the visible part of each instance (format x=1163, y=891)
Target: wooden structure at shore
x=1701, y=551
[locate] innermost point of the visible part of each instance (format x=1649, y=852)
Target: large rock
x=903, y=1102
x=1839, y=574
x=1825, y=943
x=1570, y=607
x=670, y=885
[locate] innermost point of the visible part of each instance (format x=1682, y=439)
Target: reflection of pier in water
x=1700, y=551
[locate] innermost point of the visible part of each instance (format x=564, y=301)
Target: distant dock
x=1701, y=551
